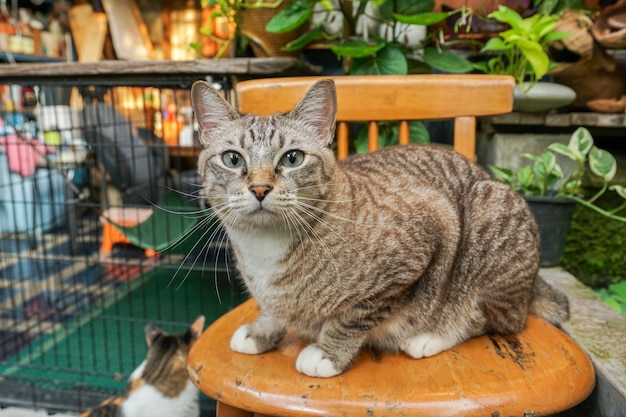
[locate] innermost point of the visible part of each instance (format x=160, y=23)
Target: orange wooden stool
x=126, y=217
x=540, y=370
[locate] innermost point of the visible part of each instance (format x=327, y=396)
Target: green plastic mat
x=100, y=349
x=174, y=226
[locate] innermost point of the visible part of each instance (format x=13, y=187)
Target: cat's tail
x=548, y=303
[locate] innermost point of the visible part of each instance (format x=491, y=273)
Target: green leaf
x=361, y=143
x=580, y=143
x=563, y=150
x=447, y=61
x=356, y=48
x=327, y=5
x=525, y=177
x=482, y=67
x=602, y=164
x=613, y=304
x=546, y=6
x=418, y=132
x=417, y=66
x=291, y=17
x=556, y=36
x=530, y=156
x=502, y=174
x=549, y=160
x=494, y=44
x=388, y=61
x=543, y=28
x=304, y=39
x=405, y=7
x=538, y=59
x=423, y=19
x=619, y=189
x=506, y=15
x=619, y=290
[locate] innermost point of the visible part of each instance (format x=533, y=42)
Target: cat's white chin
x=312, y=362
x=256, y=218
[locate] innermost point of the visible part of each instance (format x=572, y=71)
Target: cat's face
x=262, y=171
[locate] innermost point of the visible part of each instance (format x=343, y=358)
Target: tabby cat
x=410, y=248
x=160, y=386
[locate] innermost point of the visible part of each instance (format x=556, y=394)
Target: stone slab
x=601, y=332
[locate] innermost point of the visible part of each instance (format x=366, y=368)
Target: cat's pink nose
x=260, y=191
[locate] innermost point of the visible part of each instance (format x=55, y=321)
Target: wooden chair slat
x=404, y=135
x=372, y=136
x=391, y=98
x=342, y=140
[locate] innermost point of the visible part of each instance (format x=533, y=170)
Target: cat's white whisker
x=291, y=220
x=328, y=213
x=321, y=221
x=311, y=231
x=321, y=200
x=210, y=221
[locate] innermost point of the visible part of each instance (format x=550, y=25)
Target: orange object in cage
x=126, y=217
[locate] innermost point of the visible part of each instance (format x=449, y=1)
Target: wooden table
x=171, y=71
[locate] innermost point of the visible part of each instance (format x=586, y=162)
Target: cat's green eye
x=233, y=159
x=292, y=159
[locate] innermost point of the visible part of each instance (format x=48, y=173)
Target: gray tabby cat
x=410, y=248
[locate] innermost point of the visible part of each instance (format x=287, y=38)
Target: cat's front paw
x=427, y=344
x=242, y=342
x=313, y=362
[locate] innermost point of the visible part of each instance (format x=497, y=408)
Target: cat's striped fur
x=160, y=386
x=410, y=248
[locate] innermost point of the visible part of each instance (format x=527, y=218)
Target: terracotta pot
x=264, y=44
x=482, y=8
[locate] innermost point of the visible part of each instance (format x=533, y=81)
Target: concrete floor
x=599, y=330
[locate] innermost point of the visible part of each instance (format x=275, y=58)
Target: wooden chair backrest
x=373, y=98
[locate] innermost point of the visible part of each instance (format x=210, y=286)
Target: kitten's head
x=167, y=353
x=258, y=170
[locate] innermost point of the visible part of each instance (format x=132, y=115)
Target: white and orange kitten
x=160, y=386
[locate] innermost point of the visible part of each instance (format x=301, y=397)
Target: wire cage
x=102, y=230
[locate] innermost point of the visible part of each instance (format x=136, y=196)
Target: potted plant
x=522, y=51
x=374, y=37
x=552, y=194
x=246, y=20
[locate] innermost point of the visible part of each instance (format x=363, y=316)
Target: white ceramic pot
x=542, y=97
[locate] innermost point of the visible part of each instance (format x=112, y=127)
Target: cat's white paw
x=427, y=344
x=311, y=362
x=242, y=342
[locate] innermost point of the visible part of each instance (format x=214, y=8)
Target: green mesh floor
x=100, y=349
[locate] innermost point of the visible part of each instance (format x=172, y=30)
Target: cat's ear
x=151, y=332
x=211, y=109
x=318, y=108
x=194, y=331
x=196, y=327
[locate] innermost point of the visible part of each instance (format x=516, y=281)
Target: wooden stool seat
x=540, y=370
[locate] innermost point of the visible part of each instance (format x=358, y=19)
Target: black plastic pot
x=553, y=216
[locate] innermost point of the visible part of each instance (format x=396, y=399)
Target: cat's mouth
x=262, y=209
